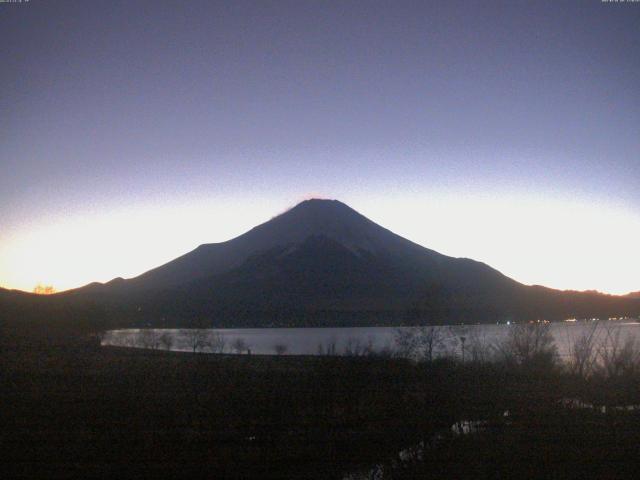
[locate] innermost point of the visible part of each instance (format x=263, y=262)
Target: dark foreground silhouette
x=75, y=410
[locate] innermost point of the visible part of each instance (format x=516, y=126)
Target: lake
x=314, y=341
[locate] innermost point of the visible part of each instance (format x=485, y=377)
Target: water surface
x=313, y=341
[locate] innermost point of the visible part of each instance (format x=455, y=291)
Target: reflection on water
x=458, y=341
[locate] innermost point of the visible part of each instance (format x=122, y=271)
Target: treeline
x=433, y=305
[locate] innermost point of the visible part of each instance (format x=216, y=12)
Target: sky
x=507, y=132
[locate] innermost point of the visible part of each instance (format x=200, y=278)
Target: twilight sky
x=507, y=132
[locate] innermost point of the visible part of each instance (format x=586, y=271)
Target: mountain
x=634, y=295
x=311, y=223
x=323, y=263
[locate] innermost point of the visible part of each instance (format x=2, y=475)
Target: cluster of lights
x=611, y=319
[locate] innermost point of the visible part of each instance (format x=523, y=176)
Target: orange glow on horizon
x=44, y=290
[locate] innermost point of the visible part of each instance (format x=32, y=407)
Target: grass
x=99, y=411
x=76, y=411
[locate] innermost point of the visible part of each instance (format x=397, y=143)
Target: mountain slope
x=329, y=218
x=322, y=263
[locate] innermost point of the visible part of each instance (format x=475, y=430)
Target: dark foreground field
x=82, y=412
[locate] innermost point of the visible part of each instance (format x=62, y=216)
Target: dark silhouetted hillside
x=322, y=263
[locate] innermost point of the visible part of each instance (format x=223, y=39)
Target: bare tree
x=583, y=354
x=329, y=348
x=166, y=340
x=280, y=348
x=355, y=348
x=419, y=342
x=478, y=347
x=529, y=344
x=198, y=339
x=617, y=358
x=149, y=338
x=430, y=341
x=451, y=345
x=239, y=345
x=407, y=342
x=218, y=342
